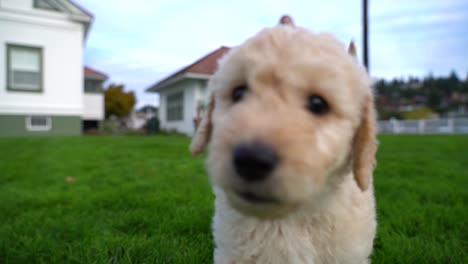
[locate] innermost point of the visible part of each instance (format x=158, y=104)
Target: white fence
x=432, y=126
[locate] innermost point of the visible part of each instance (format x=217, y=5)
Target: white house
x=93, y=99
x=42, y=81
x=182, y=91
x=139, y=117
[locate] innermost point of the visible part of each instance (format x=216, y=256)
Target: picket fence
x=431, y=126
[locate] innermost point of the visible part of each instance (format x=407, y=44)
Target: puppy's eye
x=317, y=105
x=238, y=93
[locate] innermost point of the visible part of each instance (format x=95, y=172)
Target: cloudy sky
x=141, y=41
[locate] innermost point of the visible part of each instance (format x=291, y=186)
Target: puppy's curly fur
x=322, y=207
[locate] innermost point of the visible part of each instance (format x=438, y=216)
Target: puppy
x=291, y=133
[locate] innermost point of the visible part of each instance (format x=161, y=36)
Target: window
x=93, y=86
x=38, y=123
x=24, y=66
x=175, y=107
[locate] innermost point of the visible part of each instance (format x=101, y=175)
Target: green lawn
x=145, y=200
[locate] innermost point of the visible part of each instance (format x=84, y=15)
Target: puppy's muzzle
x=254, y=161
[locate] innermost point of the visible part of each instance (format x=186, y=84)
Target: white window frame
x=31, y=127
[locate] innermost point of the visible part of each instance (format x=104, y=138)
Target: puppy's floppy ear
x=352, y=49
x=365, y=146
x=203, y=132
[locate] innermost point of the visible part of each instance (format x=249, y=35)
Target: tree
x=117, y=101
x=453, y=82
x=464, y=86
x=434, y=99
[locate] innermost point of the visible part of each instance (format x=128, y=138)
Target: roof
x=76, y=12
x=91, y=73
x=147, y=108
x=202, y=68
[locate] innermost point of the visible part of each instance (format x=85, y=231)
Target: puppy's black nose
x=254, y=161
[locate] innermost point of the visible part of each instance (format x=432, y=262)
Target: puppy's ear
x=365, y=146
x=203, y=132
x=352, y=49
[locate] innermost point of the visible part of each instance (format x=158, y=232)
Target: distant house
x=180, y=92
x=43, y=87
x=138, y=118
x=93, y=104
x=149, y=111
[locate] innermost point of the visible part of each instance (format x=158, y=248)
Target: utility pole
x=365, y=36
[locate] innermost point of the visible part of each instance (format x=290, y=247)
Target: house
x=44, y=89
x=93, y=100
x=139, y=117
x=148, y=110
x=181, y=92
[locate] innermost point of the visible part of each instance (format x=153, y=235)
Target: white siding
x=25, y=5
x=93, y=106
x=62, y=52
x=190, y=87
x=201, y=91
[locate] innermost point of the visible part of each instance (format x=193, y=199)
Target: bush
x=420, y=113
x=386, y=115
x=152, y=125
x=110, y=126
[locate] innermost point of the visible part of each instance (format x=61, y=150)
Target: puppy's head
x=291, y=112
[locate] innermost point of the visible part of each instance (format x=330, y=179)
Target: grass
x=145, y=200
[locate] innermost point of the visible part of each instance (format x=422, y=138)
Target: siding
x=191, y=90
x=93, y=106
x=15, y=125
x=62, y=46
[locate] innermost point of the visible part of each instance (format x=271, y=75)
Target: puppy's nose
x=254, y=161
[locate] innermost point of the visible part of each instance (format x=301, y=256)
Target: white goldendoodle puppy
x=291, y=133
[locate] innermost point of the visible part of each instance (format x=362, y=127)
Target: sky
x=139, y=42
